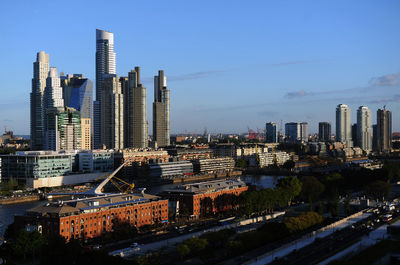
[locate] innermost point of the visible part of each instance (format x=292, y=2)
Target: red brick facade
x=93, y=224
x=89, y=225
x=190, y=203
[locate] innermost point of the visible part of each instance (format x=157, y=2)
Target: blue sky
x=230, y=64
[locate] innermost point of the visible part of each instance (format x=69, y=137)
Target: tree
x=28, y=243
x=379, y=189
x=241, y=163
x=290, y=186
x=311, y=189
x=289, y=165
x=183, y=250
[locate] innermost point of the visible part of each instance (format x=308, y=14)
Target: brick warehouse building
x=90, y=217
x=187, y=199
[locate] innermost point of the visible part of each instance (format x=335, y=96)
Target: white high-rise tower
x=343, y=125
x=105, y=64
x=53, y=94
x=364, y=128
x=40, y=72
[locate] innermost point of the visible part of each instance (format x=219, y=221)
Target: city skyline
x=280, y=77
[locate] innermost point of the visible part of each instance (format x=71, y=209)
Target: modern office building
x=135, y=119
x=78, y=94
x=29, y=167
x=343, y=125
x=324, y=131
x=63, y=129
x=271, y=132
x=36, y=169
x=161, y=113
x=364, y=128
x=384, y=130
x=105, y=64
x=112, y=113
x=40, y=73
x=96, y=161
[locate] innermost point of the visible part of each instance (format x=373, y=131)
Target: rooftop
x=91, y=204
x=208, y=186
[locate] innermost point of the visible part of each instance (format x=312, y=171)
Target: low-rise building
x=225, y=150
x=189, y=153
x=171, y=170
x=36, y=169
x=91, y=217
x=96, y=161
x=213, y=165
x=191, y=199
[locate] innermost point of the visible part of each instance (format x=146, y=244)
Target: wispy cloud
x=395, y=98
x=297, y=62
x=208, y=73
x=196, y=75
x=391, y=80
x=385, y=80
x=297, y=94
x=189, y=76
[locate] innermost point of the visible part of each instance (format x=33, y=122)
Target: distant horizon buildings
x=271, y=132
x=343, y=125
x=295, y=131
x=324, y=131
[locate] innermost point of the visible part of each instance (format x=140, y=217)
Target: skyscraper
x=384, y=130
x=140, y=125
x=53, y=93
x=105, y=64
x=52, y=100
x=354, y=134
x=161, y=122
x=364, y=128
x=296, y=131
x=128, y=85
x=40, y=73
x=343, y=125
x=292, y=131
x=271, y=134
x=78, y=94
x=303, y=131
x=63, y=130
x=324, y=131
x=112, y=113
